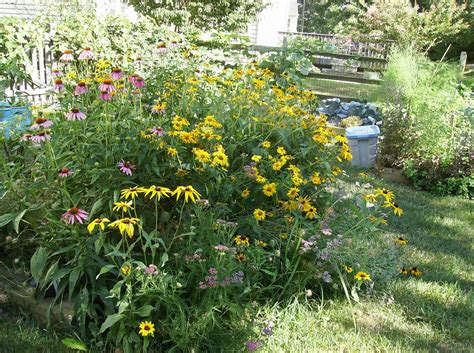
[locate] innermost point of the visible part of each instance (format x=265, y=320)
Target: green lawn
x=432, y=313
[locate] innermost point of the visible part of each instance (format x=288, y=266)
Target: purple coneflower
x=158, y=109
x=40, y=137
x=132, y=78
x=105, y=95
x=65, y=172
x=138, y=82
x=75, y=114
x=160, y=48
x=139, y=61
x=158, y=131
x=86, y=54
x=253, y=346
x=116, y=73
x=26, y=137
x=81, y=88
x=174, y=44
x=74, y=214
x=56, y=73
x=41, y=123
x=107, y=85
x=126, y=167
x=58, y=85
x=67, y=56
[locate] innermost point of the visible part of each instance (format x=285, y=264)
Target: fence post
x=463, y=61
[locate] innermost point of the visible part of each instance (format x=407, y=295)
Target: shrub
x=171, y=202
x=426, y=128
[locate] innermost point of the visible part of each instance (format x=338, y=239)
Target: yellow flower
x=188, y=191
x=293, y=193
x=259, y=214
x=172, y=151
x=283, y=236
x=261, y=243
x=210, y=120
x=245, y=193
x=281, y=151
x=401, y=241
x=158, y=191
x=122, y=206
x=372, y=198
x=202, y=155
x=125, y=225
x=100, y=222
x=385, y=193
x=348, y=269
x=181, y=173
x=260, y=179
x=146, y=328
x=219, y=157
x=415, y=272
x=278, y=165
x=311, y=213
x=256, y=158
x=363, y=175
x=179, y=122
x=269, y=189
x=397, y=210
x=131, y=192
x=266, y=144
x=241, y=257
x=126, y=270
x=316, y=179
x=242, y=240
x=362, y=276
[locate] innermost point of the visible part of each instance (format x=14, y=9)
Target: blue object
x=362, y=132
x=13, y=118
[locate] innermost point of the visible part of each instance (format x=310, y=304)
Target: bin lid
x=4, y=104
x=362, y=132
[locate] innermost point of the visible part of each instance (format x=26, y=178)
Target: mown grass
x=432, y=313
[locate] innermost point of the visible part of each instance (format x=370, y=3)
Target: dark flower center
x=75, y=110
x=74, y=211
x=68, y=51
x=65, y=170
x=81, y=84
x=40, y=120
x=104, y=91
x=58, y=82
x=87, y=49
x=107, y=81
x=116, y=70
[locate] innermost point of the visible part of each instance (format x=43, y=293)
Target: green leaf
x=74, y=344
x=164, y=259
x=6, y=218
x=96, y=206
x=110, y=321
x=38, y=262
x=145, y=310
x=105, y=269
x=16, y=222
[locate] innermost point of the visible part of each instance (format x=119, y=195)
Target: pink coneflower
x=58, y=85
x=86, y=54
x=26, y=137
x=75, y=114
x=126, y=167
x=41, y=123
x=107, y=85
x=67, y=56
x=138, y=82
x=116, y=73
x=81, y=88
x=139, y=61
x=65, y=172
x=151, y=270
x=74, y=214
x=132, y=78
x=158, y=131
x=160, y=48
x=40, y=137
x=105, y=95
x=56, y=73
x=174, y=44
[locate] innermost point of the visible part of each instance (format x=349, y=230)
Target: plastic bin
x=13, y=118
x=362, y=141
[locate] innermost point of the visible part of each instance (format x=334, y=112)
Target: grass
x=432, y=313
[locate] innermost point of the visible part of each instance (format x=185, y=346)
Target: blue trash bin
x=362, y=141
x=13, y=118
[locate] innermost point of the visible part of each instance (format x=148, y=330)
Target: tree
x=228, y=15
x=321, y=16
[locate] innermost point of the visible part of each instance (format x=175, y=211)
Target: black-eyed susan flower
x=404, y=271
x=241, y=257
x=293, y=192
x=146, y=328
x=256, y=158
x=123, y=206
x=262, y=244
x=385, y=193
x=372, y=198
x=281, y=151
x=348, y=269
x=266, y=144
x=132, y=192
x=259, y=214
x=401, y=241
x=245, y=193
x=158, y=192
x=171, y=151
x=362, y=276
x=363, y=175
x=316, y=179
x=125, y=226
x=241, y=240
x=188, y=191
x=100, y=222
x=311, y=213
x=415, y=272
x=269, y=189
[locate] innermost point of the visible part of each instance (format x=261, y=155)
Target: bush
x=171, y=202
x=427, y=130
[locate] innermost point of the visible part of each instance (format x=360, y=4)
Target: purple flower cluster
x=226, y=223
x=308, y=245
x=253, y=345
x=250, y=170
x=194, y=257
x=213, y=281
x=225, y=249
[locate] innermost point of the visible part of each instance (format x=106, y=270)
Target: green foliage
x=228, y=15
x=426, y=130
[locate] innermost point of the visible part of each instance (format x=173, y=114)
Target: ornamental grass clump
x=203, y=194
